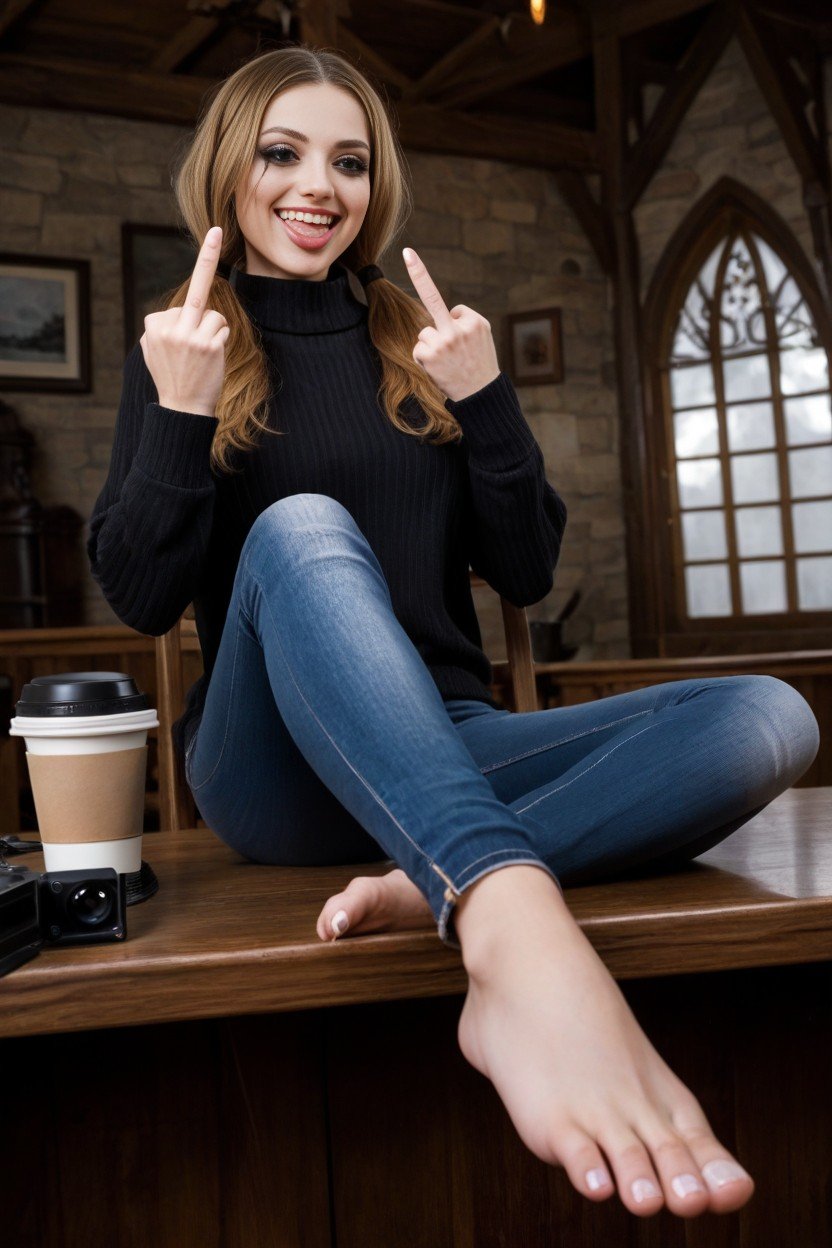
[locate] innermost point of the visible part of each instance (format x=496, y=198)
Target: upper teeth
x=314, y=218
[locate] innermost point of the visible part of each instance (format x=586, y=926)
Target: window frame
x=727, y=208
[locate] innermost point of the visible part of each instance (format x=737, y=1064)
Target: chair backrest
x=176, y=804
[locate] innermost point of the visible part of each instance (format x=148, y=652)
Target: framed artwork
x=155, y=259
x=44, y=324
x=535, y=347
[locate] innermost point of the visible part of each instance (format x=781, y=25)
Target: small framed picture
x=44, y=324
x=155, y=259
x=535, y=347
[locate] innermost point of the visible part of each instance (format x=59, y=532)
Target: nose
x=317, y=184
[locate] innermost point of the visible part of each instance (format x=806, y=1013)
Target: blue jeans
x=325, y=740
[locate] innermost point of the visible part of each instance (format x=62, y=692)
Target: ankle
x=508, y=907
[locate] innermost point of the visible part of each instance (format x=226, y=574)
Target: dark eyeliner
x=267, y=154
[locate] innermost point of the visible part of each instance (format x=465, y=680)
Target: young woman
x=344, y=714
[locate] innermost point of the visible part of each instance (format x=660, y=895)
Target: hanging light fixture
x=537, y=8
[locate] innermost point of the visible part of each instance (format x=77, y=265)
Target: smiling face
x=325, y=172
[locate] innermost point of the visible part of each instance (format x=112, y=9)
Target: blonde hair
x=222, y=150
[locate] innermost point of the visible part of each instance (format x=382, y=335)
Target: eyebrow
x=296, y=134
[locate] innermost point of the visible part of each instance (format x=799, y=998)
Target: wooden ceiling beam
x=318, y=23
x=84, y=86
x=573, y=187
x=449, y=64
x=496, y=136
x=144, y=95
x=187, y=40
x=696, y=64
x=14, y=11
x=367, y=59
x=628, y=17
x=527, y=52
x=783, y=99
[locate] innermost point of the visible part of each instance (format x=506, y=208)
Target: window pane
x=754, y=478
x=812, y=523
x=746, y=378
x=750, y=427
x=773, y=266
x=741, y=321
x=700, y=483
x=703, y=535
x=803, y=370
x=810, y=472
x=708, y=589
x=794, y=322
x=814, y=584
x=808, y=419
x=763, y=587
x=696, y=432
x=692, y=386
x=759, y=531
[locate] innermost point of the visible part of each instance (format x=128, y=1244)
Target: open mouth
x=305, y=233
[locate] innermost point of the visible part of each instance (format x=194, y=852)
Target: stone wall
x=728, y=130
x=495, y=236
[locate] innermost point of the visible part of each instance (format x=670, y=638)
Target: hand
x=457, y=351
x=184, y=348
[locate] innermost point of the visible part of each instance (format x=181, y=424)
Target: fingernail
x=340, y=922
x=719, y=1172
x=407, y=253
x=596, y=1179
x=643, y=1189
x=684, y=1184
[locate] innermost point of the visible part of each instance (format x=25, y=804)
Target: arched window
x=742, y=366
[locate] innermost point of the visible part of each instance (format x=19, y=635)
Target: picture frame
x=155, y=259
x=45, y=341
x=535, y=347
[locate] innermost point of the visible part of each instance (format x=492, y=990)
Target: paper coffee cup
x=86, y=751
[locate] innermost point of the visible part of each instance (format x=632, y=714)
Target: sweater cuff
x=175, y=447
x=494, y=426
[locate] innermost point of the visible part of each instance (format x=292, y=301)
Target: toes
x=639, y=1188
x=729, y=1185
x=686, y=1192
x=359, y=902
x=581, y=1158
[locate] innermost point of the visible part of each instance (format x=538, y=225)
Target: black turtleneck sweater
x=167, y=529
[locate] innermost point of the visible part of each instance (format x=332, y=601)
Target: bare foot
x=376, y=903
x=545, y=1021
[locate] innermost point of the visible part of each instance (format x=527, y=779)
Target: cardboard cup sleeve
x=89, y=797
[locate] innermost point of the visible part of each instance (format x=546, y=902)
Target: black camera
x=83, y=907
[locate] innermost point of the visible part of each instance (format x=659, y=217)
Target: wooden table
x=225, y=1078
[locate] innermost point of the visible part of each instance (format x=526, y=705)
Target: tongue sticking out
x=304, y=227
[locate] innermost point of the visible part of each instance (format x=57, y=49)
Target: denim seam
x=202, y=783
x=367, y=786
x=494, y=854
x=584, y=772
x=450, y=901
x=516, y=758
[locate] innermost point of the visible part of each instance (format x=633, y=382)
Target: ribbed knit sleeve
x=152, y=520
x=515, y=518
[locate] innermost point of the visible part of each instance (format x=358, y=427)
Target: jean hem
x=445, y=924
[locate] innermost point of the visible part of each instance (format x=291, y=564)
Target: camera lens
x=90, y=903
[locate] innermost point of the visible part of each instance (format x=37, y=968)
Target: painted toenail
x=340, y=922
x=643, y=1189
x=720, y=1172
x=684, y=1184
x=597, y=1178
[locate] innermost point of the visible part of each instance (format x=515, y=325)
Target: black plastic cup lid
x=80, y=693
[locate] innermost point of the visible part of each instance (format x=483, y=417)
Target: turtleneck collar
x=298, y=306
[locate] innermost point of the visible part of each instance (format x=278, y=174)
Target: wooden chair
x=177, y=809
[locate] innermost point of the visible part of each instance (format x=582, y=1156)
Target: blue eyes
x=271, y=156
